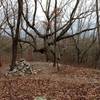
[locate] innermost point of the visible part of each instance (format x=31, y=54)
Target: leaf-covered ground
x=70, y=83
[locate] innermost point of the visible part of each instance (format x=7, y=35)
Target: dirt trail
x=67, y=73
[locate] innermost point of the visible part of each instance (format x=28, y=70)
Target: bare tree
x=15, y=39
x=58, y=33
x=13, y=19
x=58, y=21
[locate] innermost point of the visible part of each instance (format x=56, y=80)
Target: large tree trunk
x=17, y=34
x=14, y=54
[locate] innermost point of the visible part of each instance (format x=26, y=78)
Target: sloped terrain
x=70, y=83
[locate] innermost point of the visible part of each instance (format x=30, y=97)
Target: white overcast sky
x=69, y=7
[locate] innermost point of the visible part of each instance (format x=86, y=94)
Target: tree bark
x=17, y=33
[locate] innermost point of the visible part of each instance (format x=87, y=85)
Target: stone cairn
x=22, y=68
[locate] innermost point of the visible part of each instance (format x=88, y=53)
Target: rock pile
x=22, y=68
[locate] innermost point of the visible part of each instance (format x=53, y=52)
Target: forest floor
x=70, y=83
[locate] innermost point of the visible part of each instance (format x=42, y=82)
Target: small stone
x=40, y=98
x=14, y=70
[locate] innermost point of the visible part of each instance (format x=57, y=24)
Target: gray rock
x=22, y=68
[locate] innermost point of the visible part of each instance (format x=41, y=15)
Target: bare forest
x=49, y=50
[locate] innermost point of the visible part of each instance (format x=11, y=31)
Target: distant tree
x=0, y=61
x=98, y=31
